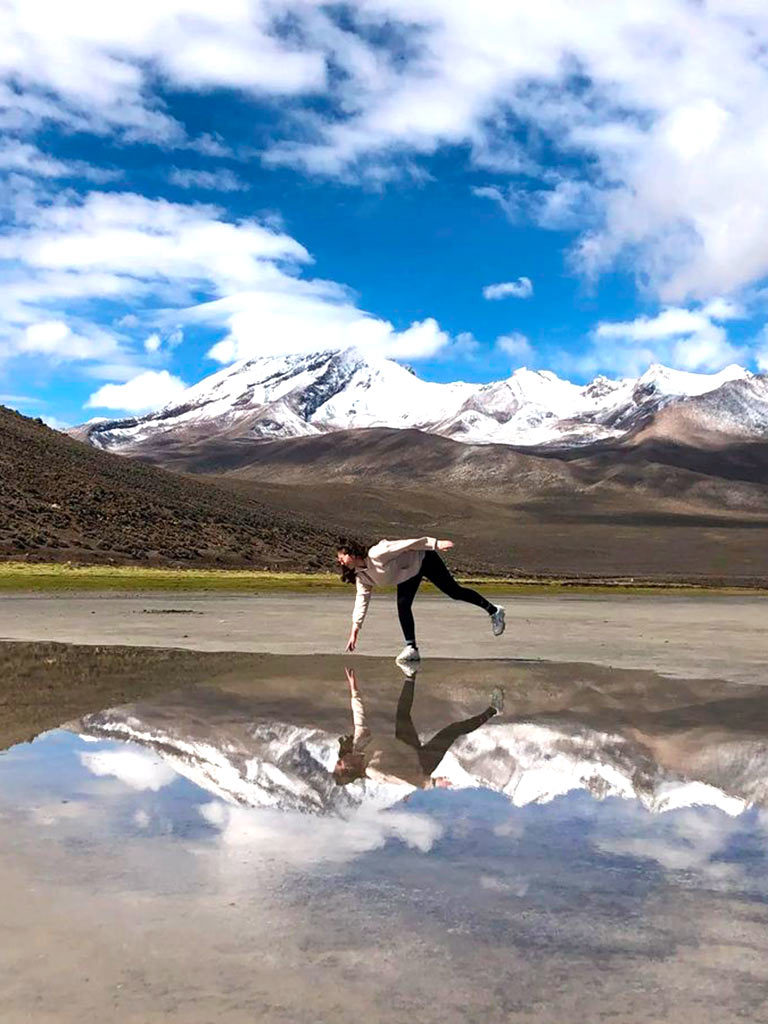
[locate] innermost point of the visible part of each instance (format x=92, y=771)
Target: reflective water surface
x=477, y=842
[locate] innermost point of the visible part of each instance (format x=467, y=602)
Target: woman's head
x=350, y=554
x=350, y=764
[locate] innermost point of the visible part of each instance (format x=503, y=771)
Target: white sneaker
x=498, y=625
x=410, y=669
x=408, y=654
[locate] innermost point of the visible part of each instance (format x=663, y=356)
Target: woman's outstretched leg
x=436, y=571
x=433, y=751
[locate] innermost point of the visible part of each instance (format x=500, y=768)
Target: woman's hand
x=444, y=545
x=352, y=642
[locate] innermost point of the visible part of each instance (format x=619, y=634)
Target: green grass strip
x=51, y=577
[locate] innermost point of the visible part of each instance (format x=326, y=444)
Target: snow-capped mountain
x=286, y=766
x=305, y=395
x=267, y=764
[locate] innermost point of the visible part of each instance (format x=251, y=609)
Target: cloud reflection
x=135, y=768
x=301, y=840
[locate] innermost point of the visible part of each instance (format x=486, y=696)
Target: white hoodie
x=388, y=563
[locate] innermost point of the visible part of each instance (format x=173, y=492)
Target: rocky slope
x=62, y=500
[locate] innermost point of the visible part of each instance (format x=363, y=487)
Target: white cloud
x=16, y=155
x=134, y=768
x=46, y=336
x=761, y=351
x=93, y=68
x=517, y=346
x=419, y=341
x=562, y=204
x=686, y=339
x=694, y=840
x=668, y=114
x=147, y=391
x=307, y=317
x=56, y=340
x=667, y=110
x=222, y=180
x=304, y=840
x=723, y=309
x=19, y=400
x=174, y=266
x=121, y=247
x=522, y=288
x=55, y=423
x=134, y=237
x=669, y=323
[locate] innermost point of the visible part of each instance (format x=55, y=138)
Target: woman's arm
x=359, y=612
x=362, y=734
x=388, y=549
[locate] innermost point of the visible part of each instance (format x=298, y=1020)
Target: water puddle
x=304, y=845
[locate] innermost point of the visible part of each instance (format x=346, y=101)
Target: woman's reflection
x=403, y=759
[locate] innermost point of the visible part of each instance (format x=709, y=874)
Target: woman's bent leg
x=436, y=571
x=433, y=751
x=406, y=592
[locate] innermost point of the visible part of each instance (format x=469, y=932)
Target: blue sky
x=466, y=188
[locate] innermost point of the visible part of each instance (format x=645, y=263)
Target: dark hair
x=350, y=764
x=350, y=546
x=343, y=776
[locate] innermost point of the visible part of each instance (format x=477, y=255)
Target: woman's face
x=349, y=767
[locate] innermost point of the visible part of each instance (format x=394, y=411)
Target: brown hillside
x=63, y=500
x=609, y=510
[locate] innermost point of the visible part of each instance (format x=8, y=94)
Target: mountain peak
x=687, y=384
x=524, y=373
x=305, y=394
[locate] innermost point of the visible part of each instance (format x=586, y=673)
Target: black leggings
x=434, y=569
x=432, y=752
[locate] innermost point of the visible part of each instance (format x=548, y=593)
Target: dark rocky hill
x=63, y=500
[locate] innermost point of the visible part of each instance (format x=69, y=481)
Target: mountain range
x=660, y=477
x=679, y=757
x=310, y=395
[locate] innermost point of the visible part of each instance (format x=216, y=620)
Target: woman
x=404, y=563
x=361, y=756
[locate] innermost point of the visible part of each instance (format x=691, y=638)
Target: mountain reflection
x=235, y=747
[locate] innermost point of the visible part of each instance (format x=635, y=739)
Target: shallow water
x=596, y=850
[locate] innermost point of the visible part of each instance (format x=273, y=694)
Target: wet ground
x=175, y=845
x=706, y=636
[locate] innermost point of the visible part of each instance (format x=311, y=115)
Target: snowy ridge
x=280, y=766
x=305, y=395
x=534, y=764
x=285, y=766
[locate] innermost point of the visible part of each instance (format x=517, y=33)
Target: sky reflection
x=193, y=855
x=81, y=789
